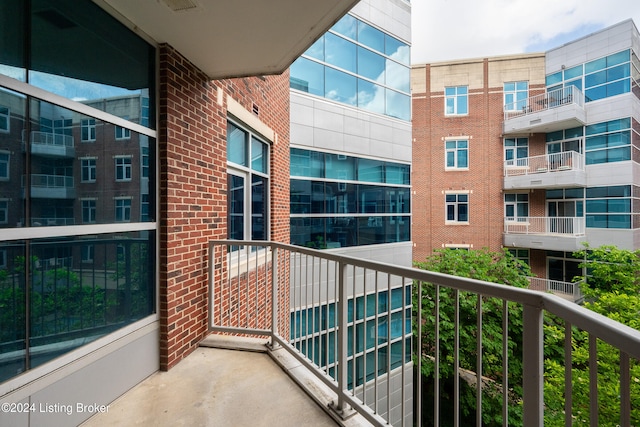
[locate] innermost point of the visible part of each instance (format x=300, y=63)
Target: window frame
x=6, y=177
x=456, y=204
x=88, y=130
x=456, y=154
x=518, y=103
x=124, y=168
x=249, y=174
x=5, y=113
x=456, y=97
x=124, y=210
x=88, y=164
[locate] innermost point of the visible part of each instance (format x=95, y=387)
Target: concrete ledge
x=230, y=342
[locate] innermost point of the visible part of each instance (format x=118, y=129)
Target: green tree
x=611, y=290
x=496, y=267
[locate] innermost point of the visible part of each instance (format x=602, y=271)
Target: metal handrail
x=547, y=163
x=272, y=264
x=545, y=101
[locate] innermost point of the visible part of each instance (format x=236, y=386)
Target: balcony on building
x=50, y=144
x=556, y=170
x=308, y=346
x=45, y=186
x=552, y=233
x=548, y=112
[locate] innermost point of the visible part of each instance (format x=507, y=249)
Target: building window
x=516, y=207
x=566, y=140
x=516, y=151
x=608, y=142
x=456, y=100
x=89, y=211
x=122, y=209
x=123, y=168
x=248, y=184
x=357, y=64
x=5, y=119
x=88, y=166
x=144, y=162
x=515, y=96
x=457, y=207
x=122, y=133
x=345, y=201
x=4, y=211
x=88, y=253
x=610, y=207
x=521, y=255
x=144, y=208
x=457, y=154
x=5, y=161
x=88, y=130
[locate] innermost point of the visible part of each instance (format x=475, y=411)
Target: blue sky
x=444, y=30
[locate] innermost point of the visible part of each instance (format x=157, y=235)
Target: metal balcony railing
x=335, y=310
x=565, y=226
x=50, y=138
x=569, y=289
x=549, y=163
x=553, y=99
x=50, y=181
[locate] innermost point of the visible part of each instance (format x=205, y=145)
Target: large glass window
x=248, y=184
x=457, y=208
x=60, y=301
x=457, y=154
x=609, y=207
x=456, y=100
x=515, y=95
x=340, y=201
x=516, y=151
x=357, y=64
x=608, y=141
x=516, y=206
x=70, y=302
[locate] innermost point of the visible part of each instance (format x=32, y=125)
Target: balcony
x=568, y=290
x=557, y=170
x=316, y=345
x=548, y=112
x=554, y=233
x=49, y=144
x=44, y=186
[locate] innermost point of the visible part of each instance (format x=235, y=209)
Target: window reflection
x=72, y=159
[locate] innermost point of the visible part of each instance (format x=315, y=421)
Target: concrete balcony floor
x=218, y=387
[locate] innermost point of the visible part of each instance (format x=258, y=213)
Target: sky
x=445, y=30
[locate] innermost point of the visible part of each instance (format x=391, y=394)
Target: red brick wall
x=483, y=179
x=193, y=188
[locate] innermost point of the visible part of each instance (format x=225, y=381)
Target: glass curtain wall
x=77, y=148
x=342, y=201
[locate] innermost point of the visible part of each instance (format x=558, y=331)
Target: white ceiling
x=235, y=38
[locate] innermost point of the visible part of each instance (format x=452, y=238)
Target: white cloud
x=457, y=29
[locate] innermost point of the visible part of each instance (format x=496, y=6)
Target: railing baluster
x=418, y=352
x=568, y=376
x=456, y=360
x=593, y=381
x=625, y=390
x=505, y=363
x=343, y=337
x=532, y=366
x=479, y=360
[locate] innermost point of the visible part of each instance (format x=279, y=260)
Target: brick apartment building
x=534, y=152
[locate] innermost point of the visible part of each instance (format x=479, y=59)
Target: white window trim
x=456, y=192
x=8, y=177
x=455, y=98
x=8, y=117
x=82, y=166
x=125, y=167
x=458, y=138
x=115, y=209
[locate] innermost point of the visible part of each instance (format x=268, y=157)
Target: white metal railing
x=50, y=181
x=557, y=286
x=284, y=292
x=534, y=104
x=569, y=226
x=548, y=163
x=50, y=138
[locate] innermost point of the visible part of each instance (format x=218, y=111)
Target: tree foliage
x=496, y=267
